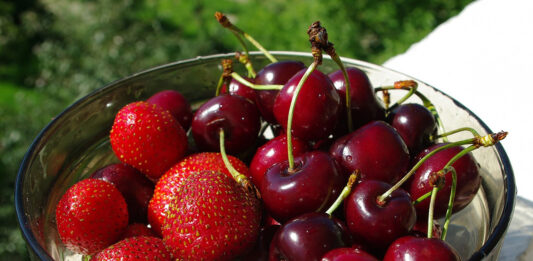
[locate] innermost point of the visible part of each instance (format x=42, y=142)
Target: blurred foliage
x=55, y=51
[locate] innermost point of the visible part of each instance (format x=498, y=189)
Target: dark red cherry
x=365, y=105
x=415, y=124
x=377, y=151
x=317, y=106
x=237, y=116
x=260, y=252
x=136, y=188
x=237, y=88
x=376, y=224
x=272, y=152
x=307, y=237
x=421, y=229
x=176, y=103
x=274, y=73
x=420, y=249
x=468, y=181
x=310, y=187
x=335, y=152
x=348, y=254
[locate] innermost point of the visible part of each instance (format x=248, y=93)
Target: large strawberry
x=147, y=137
x=168, y=184
x=212, y=217
x=90, y=216
x=135, y=248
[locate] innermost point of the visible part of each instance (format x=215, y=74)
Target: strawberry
x=91, y=215
x=147, y=137
x=135, y=248
x=168, y=184
x=212, y=217
x=137, y=229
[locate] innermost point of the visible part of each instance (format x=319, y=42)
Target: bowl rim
x=35, y=247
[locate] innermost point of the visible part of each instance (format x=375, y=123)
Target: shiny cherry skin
x=272, y=152
x=309, y=187
x=136, y=188
x=376, y=225
x=274, y=73
x=237, y=88
x=420, y=249
x=317, y=107
x=365, y=105
x=468, y=181
x=415, y=124
x=348, y=254
x=307, y=237
x=377, y=151
x=237, y=116
x=335, y=152
x=176, y=103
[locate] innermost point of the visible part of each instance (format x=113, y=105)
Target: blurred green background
x=53, y=52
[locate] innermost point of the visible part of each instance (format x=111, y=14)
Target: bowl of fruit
x=312, y=157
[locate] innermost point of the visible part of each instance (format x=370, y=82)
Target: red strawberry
x=135, y=248
x=137, y=229
x=147, y=137
x=168, y=184
x=91, y=215
x=212, y=217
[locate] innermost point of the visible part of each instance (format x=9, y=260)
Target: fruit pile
x=231, y=193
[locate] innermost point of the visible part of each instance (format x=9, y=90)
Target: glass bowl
x=76, y=143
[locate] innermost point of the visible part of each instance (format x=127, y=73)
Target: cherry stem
x=423, y=197
x=225, y=77
x=224, y=21
x=335, y=57
x=344, y=193
x=308, y=72
x=386, y=99
x=398, y=184
x=431, y=210
x=245, y=59
x=259, y=87
x=471, y=130
x=408, y=84
x=450, y=202
x=219, y=85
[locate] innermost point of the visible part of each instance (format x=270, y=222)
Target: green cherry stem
x=450, y=202
x=225, y=77
x=259, y=87
x=245, y=59
x=224, y=21
x=471, y=130
x=308, y=72
x=423, y=197
x=344, y=193
x=431, y=210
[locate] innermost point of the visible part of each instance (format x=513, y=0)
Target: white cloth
x=483, y=58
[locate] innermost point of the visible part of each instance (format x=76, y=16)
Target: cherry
x=272, y=152
x=348, y=254
x=416, y=248
x=421, y=229
x=307, y=237
x=261, y=250
x=136, y=188
x=415, y=124
x=336, y=149
x=316, y=110
x=176, y=103
x=274, y=73
x=468, y=180
x=237, y=116
x=377, y=151
x=377, y=224
x=309, y=187
x=237, y=88
x=364, y=103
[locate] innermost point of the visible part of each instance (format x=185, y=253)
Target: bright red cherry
x=415, y=124
x=307, y=237
x=176, y=103
x=309, y=187
x=377, y=224
x=272, y=152
x=377, y=151
x=274, y=73
x=420, y=249
x=468, y=181
x=317, y=107
x=365, y=105
x=237, y=116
